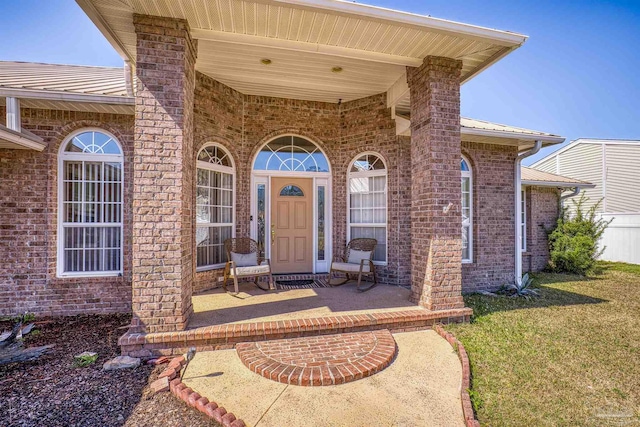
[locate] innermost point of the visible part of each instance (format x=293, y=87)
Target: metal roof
x=66, y=87
x=545, y=179
x=497, y=127
x=305, y=39
x=28, y=76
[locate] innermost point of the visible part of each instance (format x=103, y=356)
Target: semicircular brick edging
x=320, y=360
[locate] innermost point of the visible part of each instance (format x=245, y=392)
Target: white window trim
x=200, y=164
x=262, y=176
x=105, y=158
x=469, y=174
x=367, y=174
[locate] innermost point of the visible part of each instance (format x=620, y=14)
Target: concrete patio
x=421, y=387
x=218, y=307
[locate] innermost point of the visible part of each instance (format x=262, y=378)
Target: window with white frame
x=367, y=202
x=523, y=225
x=214, y=206
x=90, y=204
x=467, y=211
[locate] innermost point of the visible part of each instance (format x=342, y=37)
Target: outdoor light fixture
x=336, y=70
x=265, y=61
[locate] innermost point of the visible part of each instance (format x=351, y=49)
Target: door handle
x=273, y=234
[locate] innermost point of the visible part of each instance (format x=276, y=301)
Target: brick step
x=320, y=360
x=227, y=335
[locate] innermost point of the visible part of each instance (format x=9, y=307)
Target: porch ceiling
x=304, y=40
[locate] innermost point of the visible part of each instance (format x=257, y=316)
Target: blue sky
x=576, y=76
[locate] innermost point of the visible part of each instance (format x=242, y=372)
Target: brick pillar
x=436, y=236
x=163, y=165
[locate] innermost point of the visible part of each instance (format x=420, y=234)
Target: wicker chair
x=244, y=261
x=358, y=259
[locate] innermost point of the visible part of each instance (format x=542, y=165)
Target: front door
x=291, y=225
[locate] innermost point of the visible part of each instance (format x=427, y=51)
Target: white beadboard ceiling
x=305, y=39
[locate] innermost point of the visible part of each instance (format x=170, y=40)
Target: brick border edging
x=193, y=398
x=465, y=386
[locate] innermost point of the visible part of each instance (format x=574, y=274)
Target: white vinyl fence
x=622, y=238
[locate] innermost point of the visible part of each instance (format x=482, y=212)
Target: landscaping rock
x=121, y=362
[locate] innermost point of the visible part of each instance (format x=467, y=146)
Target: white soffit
x=305, y=39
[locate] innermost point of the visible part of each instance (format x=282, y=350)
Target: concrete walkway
x=420, y=388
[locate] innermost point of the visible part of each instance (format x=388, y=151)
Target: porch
x=220, y=320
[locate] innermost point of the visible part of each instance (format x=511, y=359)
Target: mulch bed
x=52, y=392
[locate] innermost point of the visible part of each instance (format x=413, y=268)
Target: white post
x=13, y=114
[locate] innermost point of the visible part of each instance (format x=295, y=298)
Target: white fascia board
x=342, y=52
x=489, y=62
x=557, y=184
x=23, y=140
x=512, y=135
x=504, y=38
x=95, y=17
x=66, y=96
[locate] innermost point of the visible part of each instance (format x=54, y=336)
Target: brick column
x=163, y=166
x=436, y=236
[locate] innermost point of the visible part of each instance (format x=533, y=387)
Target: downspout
x=518, y=222
x=574, y=192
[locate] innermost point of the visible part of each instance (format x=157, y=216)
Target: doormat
x=300, y=284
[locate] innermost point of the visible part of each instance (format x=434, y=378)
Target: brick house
x=119, y=186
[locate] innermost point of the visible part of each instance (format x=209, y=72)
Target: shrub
x=573, y=243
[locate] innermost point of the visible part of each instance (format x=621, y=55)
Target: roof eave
x=557, y=184
x=549, y=139
x=21, y=139
x=66, y=96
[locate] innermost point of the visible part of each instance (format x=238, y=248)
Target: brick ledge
x=228, y=335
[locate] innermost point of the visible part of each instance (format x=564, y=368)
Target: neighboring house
x=119, y=186
x=611, y=165
x=541, y=196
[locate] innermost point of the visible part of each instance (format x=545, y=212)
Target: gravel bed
x=52, y=392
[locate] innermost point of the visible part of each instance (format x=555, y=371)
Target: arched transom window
x=467, y=210
x=215, y=185
x=90, y=204
x=367, y=200
x=292, y=154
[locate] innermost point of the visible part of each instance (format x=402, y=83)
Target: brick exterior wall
x=163, y=187
x=159, y=165
x=493, y=216
x=29, y=222
x=436, y=239
x=243, y=124
x=543, y=208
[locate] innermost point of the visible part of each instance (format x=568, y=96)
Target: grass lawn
x=570, y=357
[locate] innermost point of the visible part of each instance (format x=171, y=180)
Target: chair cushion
x=254, y=270
x=355, y=256
x=245, y=260
x=350, y=267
